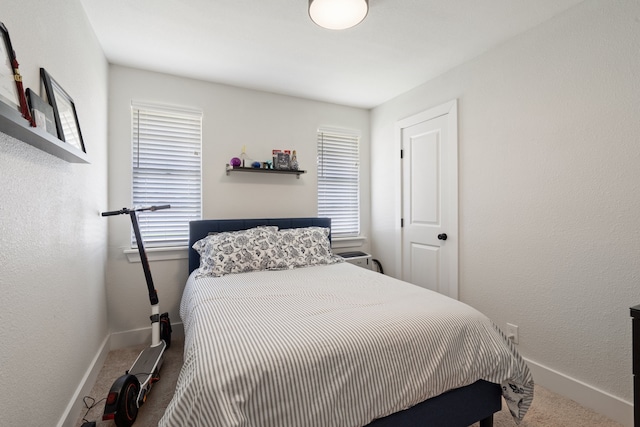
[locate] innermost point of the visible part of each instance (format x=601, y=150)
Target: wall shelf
x=261, y=170
x=13, y=124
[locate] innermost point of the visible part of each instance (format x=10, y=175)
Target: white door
x=429, y=200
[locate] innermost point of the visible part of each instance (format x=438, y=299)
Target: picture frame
x=64, y=112
x=11, y=90
x=282, y=161
x=41, y=112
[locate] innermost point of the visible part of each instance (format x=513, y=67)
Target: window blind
x=339, y=181
x=167, y=146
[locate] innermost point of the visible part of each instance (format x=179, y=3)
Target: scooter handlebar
x=126, y=210
x=157, y=208
x=111, y=213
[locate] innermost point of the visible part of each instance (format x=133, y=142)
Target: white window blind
x=338, y=181
x=167, y=146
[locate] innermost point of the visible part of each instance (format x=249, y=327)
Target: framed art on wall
x=64, y=112
x=42, y=112
x=11, y=90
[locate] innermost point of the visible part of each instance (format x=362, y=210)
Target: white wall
x=233, y=117
x=53, y=318
x=549, y=178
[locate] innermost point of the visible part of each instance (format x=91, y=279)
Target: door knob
x=442, y=236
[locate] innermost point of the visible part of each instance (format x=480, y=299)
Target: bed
x=328, y=343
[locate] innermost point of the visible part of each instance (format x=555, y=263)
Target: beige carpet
x=118, y=361
x=548, y=409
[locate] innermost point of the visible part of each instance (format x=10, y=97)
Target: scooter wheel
x=165, y=329
x=127, y=410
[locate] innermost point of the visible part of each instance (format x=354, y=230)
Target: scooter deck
x=148, y=362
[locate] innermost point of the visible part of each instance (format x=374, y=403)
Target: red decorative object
x=24, y=108
x=11, y=56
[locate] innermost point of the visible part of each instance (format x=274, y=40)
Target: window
x=166, y=144
x=338, y=181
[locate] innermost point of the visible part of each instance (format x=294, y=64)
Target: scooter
x=129, y=392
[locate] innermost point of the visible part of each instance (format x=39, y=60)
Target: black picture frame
x=11, y=90
x=283, y=161
x=64, y=112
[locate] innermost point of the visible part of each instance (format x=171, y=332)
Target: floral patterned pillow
x=235, y=251
x=300, y=247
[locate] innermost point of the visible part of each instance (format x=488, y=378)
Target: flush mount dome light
x=338, y=14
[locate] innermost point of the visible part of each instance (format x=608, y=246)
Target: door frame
x=450, y=108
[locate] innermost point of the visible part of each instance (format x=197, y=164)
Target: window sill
x=347, y=242
x=181, y=252
x=158, y=254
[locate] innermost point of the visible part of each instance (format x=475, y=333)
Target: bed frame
x=460, y=407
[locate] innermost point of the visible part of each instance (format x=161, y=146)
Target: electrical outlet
x=512, y=332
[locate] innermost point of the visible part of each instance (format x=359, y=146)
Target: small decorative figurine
x=294, y=161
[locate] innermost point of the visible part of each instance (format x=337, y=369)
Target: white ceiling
x=272, y=45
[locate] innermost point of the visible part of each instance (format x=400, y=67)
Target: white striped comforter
x=326, y=346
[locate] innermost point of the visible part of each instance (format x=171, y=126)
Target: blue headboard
x=201, y=229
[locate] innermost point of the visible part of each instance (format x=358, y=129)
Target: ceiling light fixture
x=338, y=14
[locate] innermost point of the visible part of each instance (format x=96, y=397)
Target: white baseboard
x=76, y=405
x=588, y=396
x=111, y=342
x=140, y=336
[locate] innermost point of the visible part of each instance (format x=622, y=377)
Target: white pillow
x=235, y=251
x=301, y=247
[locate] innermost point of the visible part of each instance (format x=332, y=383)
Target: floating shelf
x=13, y=124
x=261, y=170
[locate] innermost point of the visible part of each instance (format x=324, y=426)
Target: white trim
x=347, y=242
x=74, y=409
x=340, y=131
x=140, y=336
x=158, y=254
x=600, y=401
x=450, y=108
x=159, y=107
x=182, y=252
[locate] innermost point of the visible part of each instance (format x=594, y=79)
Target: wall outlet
x=512, y=332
